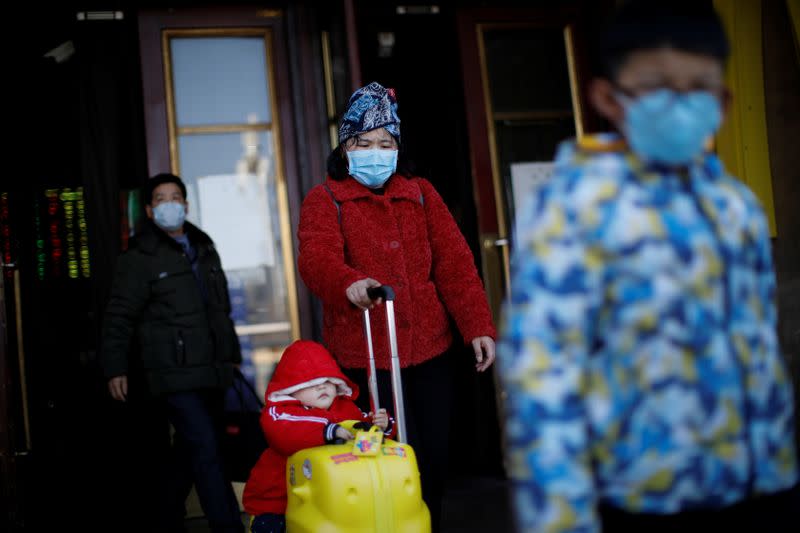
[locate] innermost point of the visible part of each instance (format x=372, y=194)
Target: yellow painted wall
x=742, y=141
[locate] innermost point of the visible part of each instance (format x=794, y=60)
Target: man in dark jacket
x=169, y=300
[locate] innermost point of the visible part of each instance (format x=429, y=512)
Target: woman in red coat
x=372, y=223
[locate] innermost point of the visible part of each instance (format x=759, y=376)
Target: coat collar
x=397, y=187
x=151, y=237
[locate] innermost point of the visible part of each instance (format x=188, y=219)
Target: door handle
x=495, y=243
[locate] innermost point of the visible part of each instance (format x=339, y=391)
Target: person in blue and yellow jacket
x=644, y=386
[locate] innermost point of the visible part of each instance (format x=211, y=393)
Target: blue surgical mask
x=169, y=216
x=372, y=168
x=668, y=127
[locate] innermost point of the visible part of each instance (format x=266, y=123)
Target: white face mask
x=169, y=216
x=372, y=168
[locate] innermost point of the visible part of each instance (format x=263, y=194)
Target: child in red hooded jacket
x=306, y=397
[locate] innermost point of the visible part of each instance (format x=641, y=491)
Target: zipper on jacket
x=726, y=298
x=181, y=349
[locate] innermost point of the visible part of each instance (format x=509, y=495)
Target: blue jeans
x=195, y=415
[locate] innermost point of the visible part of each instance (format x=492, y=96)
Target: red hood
x=303, y=364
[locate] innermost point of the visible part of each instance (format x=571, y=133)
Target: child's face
x=645, y=71
x=320, y=396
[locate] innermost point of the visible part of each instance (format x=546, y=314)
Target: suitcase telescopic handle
x=384, y=291
x=387, y=293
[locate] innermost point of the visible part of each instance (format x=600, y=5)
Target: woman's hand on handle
x=357, y=293
x=484, y=352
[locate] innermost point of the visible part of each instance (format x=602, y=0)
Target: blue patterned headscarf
x=369, y=108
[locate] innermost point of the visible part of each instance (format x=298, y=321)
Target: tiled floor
x=471, y=505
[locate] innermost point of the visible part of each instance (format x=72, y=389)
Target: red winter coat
x=290, y=427
x=405, y=238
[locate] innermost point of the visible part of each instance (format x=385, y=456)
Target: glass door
x=225, y=143
x=521, y=74
x=215, y=92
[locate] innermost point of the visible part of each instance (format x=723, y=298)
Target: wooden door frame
x=491, y=228
x=151, y=23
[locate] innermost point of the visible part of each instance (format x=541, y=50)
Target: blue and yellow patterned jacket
x=639, y=356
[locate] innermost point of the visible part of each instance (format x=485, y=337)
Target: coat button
x=394, y=244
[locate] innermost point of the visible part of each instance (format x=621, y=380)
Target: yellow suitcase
x=331, y=489
x=370, y=485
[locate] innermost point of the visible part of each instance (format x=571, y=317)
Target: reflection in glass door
x=521, y=85
x=525, y=125
x=225, y=143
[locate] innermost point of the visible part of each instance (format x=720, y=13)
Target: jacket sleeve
x=129, y=294
x=236, y=357
x=769, y=380
x=454, y=272
x=546, y=335
x=290, y=429
x=321, y=260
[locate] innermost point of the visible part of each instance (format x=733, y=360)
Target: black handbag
x=243, y=440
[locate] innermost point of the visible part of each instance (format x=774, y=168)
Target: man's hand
x=381, y=419
x=357, y=293
x=118, y=387
x=484, y=352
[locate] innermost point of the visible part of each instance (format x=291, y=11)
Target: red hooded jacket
x=405, y=238
x=289, y=426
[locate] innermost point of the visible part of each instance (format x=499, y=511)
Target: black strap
x=240, y=378
x=338, y=207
